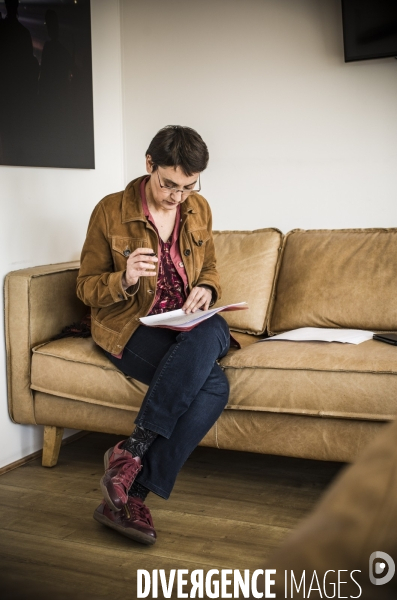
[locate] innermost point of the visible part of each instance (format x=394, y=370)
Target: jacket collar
x=131, y=204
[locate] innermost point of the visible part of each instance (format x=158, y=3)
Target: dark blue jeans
x=187, y=392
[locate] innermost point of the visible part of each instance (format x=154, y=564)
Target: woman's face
x=169, y=185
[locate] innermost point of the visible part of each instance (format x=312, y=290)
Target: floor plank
x=228, y=510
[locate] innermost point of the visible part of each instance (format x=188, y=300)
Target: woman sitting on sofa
x=150, y=250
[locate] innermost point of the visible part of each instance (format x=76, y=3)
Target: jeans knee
x=212, y=334
x=221, y=332
x=221, y=324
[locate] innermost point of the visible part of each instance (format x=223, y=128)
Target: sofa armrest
x=39, y=302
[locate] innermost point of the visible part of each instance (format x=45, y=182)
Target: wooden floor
x=227, y=510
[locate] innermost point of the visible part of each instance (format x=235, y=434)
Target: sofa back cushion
x=336, y=278
x=247, y=262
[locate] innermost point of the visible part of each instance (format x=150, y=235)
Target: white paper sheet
x=318, y=334
x=179, y=319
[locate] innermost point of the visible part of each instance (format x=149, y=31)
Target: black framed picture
x=46, y=100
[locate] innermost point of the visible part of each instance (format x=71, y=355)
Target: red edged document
x=179, y=320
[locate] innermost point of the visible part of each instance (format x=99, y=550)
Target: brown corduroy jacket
x=116, y=228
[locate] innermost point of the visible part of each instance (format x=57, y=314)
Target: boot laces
x=140, y=512
x=127, y=470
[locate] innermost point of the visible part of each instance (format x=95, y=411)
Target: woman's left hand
x=199, y=297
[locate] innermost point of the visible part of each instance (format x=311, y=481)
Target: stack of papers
x=317, y=334
x=178, y=319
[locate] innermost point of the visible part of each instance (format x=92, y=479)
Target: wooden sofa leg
x=52, y=445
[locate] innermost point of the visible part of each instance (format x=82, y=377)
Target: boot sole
x=108, y=499
x=104, y=491
x=137, y=536
x=106, y=458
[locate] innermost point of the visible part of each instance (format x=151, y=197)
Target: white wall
x=45, y=212
x=297, y=138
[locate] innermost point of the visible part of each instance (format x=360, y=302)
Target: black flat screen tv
x=369, y=29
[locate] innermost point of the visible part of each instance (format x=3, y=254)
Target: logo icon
x=384, y=565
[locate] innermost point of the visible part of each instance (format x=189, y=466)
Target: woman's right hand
x=139, y=264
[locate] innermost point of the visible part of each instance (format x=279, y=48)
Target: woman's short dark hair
x=177, y=146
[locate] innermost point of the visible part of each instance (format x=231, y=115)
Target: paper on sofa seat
x=178, y=319
x=318, y=334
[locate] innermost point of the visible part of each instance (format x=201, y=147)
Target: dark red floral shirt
x=170, y=293
x=172, y=280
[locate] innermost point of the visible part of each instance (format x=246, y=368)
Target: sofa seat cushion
x=315, y=378
x=77, y=368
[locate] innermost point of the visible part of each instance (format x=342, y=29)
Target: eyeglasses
x=175, y=190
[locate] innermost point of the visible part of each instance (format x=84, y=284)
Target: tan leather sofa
x=304, y=399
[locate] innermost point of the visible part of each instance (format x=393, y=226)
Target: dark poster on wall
x=46, y=107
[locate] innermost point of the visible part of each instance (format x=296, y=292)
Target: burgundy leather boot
x=121, y=468
x=134, y=521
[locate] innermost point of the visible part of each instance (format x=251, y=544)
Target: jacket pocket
x=122, y=247
x=200, y=237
